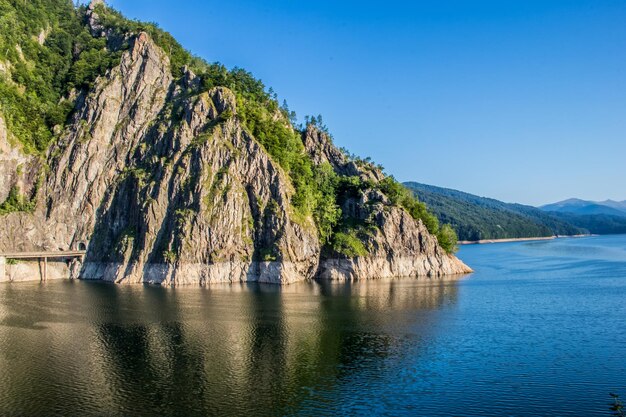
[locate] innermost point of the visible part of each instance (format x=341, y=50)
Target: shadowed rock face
x=168, y=187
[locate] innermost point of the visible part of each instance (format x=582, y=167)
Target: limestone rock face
x=204, y=203
x=17, y=170
x=398, y=245
x=93, y=19
x=166, y=186
x=401, y=247
x=108, y=126
x=321, y=149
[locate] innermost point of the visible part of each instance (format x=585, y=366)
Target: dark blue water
x=539, y=329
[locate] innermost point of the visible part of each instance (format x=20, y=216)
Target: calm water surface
x=539, y=329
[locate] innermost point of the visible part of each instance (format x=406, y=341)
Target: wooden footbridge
x=41, y=256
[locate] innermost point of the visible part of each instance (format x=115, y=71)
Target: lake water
x=539, y=329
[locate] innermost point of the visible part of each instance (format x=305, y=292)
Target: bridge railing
x=42, y=255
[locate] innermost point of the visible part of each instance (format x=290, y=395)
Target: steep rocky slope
x=163, y=181
x=18, y=171
x=397, y=244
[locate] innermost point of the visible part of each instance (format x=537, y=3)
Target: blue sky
x=523, y=101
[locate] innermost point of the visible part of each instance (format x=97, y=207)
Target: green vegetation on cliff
x=51, y=52
x=399, y=194
x=116, y=25
x=46, y=51
x=16, y=202
x=476, y=218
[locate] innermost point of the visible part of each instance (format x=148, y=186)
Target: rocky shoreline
x=363, y=268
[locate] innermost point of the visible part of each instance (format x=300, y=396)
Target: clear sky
x=523, y=101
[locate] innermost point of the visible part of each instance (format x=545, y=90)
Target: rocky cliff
x=398, y=245
x=18, y=171
x=163, y=182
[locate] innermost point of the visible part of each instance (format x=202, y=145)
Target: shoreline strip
x=518, y=239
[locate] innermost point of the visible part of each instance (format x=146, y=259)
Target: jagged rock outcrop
x=204, y=203
x=398, y=244
x=93, y=20
x=319, y=147
x=165, y=185
x=108, y=126
x=400, y=247
x=17, y=170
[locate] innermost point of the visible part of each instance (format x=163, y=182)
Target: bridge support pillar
x=45, y=269
x=3, y=271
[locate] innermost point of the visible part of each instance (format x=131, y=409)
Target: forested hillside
x=47, y=56
x=600, y=224
x=476, y=218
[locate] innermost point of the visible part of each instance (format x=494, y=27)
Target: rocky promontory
x=165, y=177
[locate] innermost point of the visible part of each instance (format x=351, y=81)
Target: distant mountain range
x=478, y=218
x=584, y=207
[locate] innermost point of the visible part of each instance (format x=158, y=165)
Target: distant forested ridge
x=584, y=207
x=599, y=224
x=477, y=218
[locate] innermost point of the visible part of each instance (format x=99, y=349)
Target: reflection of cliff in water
x=227, y=349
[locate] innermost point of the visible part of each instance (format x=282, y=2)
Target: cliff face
x=17, y=170
x=165, y=185
x=398, y=244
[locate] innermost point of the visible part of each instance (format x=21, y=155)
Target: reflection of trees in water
x=244, y=348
